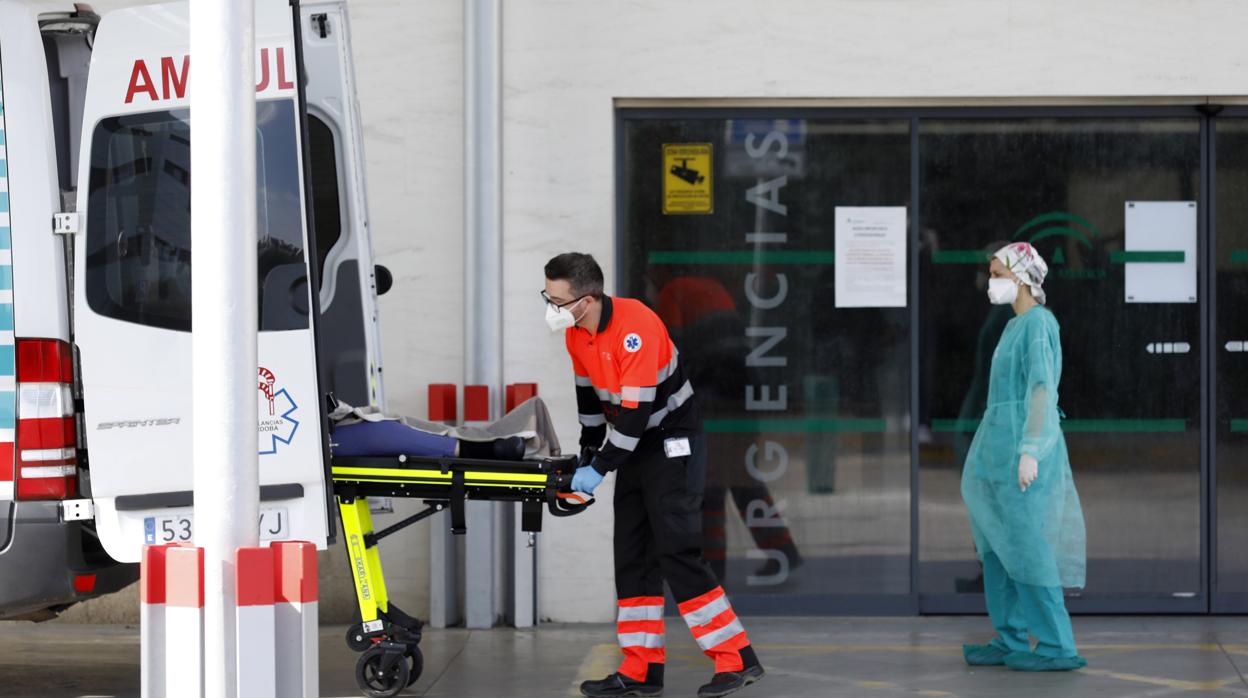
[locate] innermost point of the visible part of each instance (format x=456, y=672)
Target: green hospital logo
x=1065, y=240
x=1074, y=236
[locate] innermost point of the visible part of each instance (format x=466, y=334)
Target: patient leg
x=510, y=448
x=392, y=438
x=389, y=438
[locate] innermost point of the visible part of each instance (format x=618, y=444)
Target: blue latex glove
x=586, y=479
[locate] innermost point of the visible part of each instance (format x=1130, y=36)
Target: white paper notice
x=1160, y=255
x=871, y=257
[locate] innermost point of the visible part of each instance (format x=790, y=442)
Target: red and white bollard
x=519, y=393
x=524, y=545
x=296, y=614
x=184, y=622
x=443, y=550
x=254, y=623
x=276, y=621
x=152, y=621
x=476, y=405
x=442, y=403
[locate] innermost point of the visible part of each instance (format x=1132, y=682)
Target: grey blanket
x=530, y=420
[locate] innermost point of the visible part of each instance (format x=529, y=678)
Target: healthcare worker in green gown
x=1017, y=485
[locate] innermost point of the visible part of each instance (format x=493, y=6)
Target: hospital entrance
x=841, y=382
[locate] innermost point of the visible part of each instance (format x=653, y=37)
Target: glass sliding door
x=1089, y=193
x=726, y=228
x=837, y=434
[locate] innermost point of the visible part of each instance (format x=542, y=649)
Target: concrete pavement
x=1128, y=656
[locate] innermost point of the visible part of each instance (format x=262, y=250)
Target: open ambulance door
x=350, y=341
x=132, y=297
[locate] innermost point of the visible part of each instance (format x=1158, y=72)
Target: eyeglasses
x=551, y=302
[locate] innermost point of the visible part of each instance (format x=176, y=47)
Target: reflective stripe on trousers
x=716, y=628
x=640, y=629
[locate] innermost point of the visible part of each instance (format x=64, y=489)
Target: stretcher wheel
x=356, y=639
x=382, y=673
x=418, y=665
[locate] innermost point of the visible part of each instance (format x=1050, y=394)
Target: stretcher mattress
x=389, y=438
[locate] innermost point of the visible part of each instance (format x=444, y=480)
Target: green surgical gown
x=1038, y=534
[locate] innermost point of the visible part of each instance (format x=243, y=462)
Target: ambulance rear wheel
x=381, y=674
x=356, y=639
x=418, y=665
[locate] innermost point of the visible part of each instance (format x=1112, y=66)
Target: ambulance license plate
x=274, y=525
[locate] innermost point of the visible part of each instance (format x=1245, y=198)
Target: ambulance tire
x=377, y=682
x=356, y=639
x=418, y=665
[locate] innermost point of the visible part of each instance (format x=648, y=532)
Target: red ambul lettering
x=173, y=78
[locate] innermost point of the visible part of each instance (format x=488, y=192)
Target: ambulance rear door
x=350, y=348
x=133, y=285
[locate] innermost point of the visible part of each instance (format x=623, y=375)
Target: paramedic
x=628, y=376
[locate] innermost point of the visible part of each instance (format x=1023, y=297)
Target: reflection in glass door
x=1131, y=387
x=805, y=404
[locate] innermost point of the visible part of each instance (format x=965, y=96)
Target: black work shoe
x=620, y=685
x=510, y=448
x=726, y=682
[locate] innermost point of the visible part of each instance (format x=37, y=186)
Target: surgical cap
x=1027, y=264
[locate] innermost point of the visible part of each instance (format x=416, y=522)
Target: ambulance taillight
x=46, y=450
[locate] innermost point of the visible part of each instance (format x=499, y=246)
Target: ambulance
x=95, y=285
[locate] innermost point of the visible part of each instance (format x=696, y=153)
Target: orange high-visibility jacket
x=628, y=375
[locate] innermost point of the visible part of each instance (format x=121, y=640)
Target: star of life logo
x=632, y=343
x=277, y=425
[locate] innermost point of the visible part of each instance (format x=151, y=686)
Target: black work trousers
x=658, y=521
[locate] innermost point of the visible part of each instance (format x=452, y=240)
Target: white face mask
x=559, y=319
x=1002, y=291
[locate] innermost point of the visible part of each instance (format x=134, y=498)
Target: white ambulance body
x=95, y=344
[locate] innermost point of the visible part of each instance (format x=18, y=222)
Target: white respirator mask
x=559, y=319
x=1002, y=291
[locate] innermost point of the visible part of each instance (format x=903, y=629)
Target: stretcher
x=387, y=637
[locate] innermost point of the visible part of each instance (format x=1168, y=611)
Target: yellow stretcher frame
x=443, y=483
x=370, y=583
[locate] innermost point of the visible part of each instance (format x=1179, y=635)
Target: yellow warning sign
x=687, y=178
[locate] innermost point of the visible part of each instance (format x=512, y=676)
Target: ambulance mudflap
x=132, y=291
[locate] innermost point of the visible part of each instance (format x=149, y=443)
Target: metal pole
x=483, y=261
x=224, y=314
x=443, y=574
x=524, y=582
